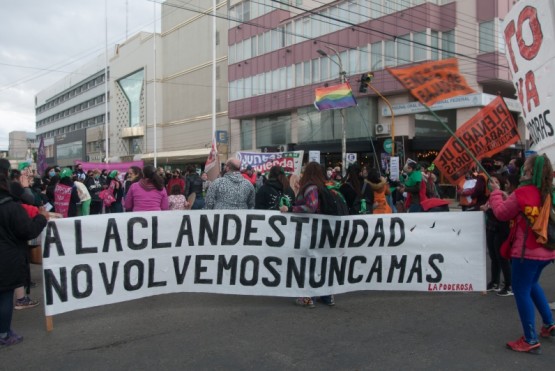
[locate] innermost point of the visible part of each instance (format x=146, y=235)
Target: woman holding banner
x=528, y=256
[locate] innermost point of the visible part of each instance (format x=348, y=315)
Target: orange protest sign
x=490, y=131
x=433, y=81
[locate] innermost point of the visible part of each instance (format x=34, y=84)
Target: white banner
x=530, y=36
x=102, y=259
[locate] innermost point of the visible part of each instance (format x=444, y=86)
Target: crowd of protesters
x=494, y=187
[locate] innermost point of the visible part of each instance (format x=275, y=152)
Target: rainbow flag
x=334, y=97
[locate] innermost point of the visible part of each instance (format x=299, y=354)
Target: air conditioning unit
x=383, y=129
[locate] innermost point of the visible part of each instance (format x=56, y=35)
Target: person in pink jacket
x=148, y=194
x=528, y=257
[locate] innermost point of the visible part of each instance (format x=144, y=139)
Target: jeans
x=528, y=293
x=199, y=203
x=6, y=310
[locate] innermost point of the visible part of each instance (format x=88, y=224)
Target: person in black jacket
x=95, y=185
x=275, y=192
x=16, y=228
x=194, y=185
x=358, y=195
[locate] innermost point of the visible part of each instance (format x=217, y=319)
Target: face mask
x=51, y=173
x=96, y=176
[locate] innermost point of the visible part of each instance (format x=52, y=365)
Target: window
x=324, y=70
x=246, y=134
x=389, y=53
x=268, y=82
x=487, y=37
x=273, y=131
x=403, y=49
x=275, y=80
x=306, y=73
x=299, y=74
x=448, y=44
x=247, y=49
x=419, y=47
x=434, y=44
x=288, y=34
x=261, y=49
x=290, y=82
x=376, y=56
x=132, y=87
x=316, y=70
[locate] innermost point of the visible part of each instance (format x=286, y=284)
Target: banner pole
x=49, y=323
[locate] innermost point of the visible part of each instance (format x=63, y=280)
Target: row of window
x=72, y=110
x=315, y=25
x=94, y=121
x=70, y=94
x=389, y=53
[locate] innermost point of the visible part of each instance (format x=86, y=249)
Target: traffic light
x=364, y=81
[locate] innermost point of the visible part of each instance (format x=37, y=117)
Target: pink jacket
x=510, y=209
x=139, y=198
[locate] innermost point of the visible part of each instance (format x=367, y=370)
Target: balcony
x=133, y=132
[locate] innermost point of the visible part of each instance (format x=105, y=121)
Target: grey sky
x=42, y=41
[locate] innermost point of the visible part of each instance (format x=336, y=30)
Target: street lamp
x=342, y=110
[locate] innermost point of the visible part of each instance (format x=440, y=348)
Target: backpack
x=332, y=202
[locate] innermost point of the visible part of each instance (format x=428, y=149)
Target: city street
x=364, y=331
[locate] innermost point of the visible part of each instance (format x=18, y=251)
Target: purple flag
x=41, y=157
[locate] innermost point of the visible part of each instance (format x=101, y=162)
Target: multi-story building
x=160, y=96
x=22, y=145
x=70, y=116
x=280, y=51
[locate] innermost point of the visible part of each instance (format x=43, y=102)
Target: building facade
x=279, y=55
x=160, y=96
x=71, y=114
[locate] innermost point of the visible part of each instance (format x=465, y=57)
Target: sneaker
x=521, y=345
x=547, y=331
x=305, y=302
x=25, y=302
x=328, y=300
x=507, y=291
x=492, y=287
x=11, y=339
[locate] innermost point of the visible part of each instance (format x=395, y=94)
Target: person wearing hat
x=66, y=197
x=116, y=186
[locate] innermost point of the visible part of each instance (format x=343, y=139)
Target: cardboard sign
x=490, y=131
x=530, y=38
x=433, y=81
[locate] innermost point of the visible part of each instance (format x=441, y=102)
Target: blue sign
x=221, y=136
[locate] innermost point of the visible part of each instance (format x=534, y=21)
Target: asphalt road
x=364, y=331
